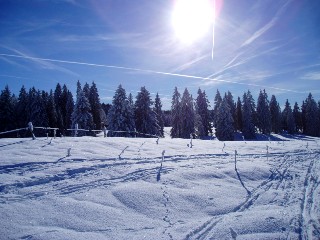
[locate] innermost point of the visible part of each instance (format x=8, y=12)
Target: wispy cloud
x=190, y=63
x=41, y=63
x=315, y=76
x=96, y=37
x=267, y=26
x=10, y=76
x=208, y=80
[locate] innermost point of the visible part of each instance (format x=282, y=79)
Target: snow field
x=95, y=194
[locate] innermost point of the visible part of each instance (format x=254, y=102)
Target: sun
x=192, y=19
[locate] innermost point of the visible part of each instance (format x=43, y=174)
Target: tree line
x=126, y=117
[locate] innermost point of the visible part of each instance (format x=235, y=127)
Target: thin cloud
x=10, y=76
x=266, y=27
x=97, y=37
x=40, y=62
x=190, y=63
x=149, y=71
x=315, y=76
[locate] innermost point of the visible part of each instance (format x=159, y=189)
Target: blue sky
x=271, y=44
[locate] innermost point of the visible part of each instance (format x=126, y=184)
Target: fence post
x=30, y=126
x=191, y=140
x=267, y=152
x=76, y=129
x=235, y=158
x=69, y=152
x=104, y=131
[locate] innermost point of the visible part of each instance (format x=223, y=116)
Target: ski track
x=306, y=225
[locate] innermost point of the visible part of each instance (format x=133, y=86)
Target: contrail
x=213, y=26
x=149, y=71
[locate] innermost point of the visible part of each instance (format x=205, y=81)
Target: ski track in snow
x=292, y=186
x=305, y=225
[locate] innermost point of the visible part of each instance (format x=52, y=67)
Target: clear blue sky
x=272, y=44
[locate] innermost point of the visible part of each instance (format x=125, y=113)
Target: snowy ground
x=95, y=194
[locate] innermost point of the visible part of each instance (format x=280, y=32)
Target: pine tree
x=275, y=113
x=263, y=113
x=79, y=89
x=311, y=117
x=232, y=106
x=94, y=101
x=159, y=114
x=176, y=114
x=203, y=114
x=224, y=128
x=38, y=113
x=248, y=127
x=217, y=102
x=51, y=111
x=297, y=117
x=69, y=110
x=21, y=107
x=57, y=101
x=81, y=114
x=130, y=99
x=187, y=115
x=86, y=90
x=6, y=110
x=288, y=123
x=145, y=117
x=238, y=118
x=120, y=116
x=253, y=108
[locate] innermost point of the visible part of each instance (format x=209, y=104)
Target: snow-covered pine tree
x=263, y=113
x=38, y=114
x=232, y=106
x=311, y=117
x=159, y=114
x=6, y=110
x=238, y=119
x=224, y=128
x=288, y=123
x=217, y=102
x=297, y=117
x=57, y=101
x=22, y=105
x=51, y=111
x=86, y=90
x=203, y=124
x=79, y=89
x=275, y=113
x=63, y=105
x=103, y=117
x=81, y=114
x=130, y=99
x=253, y=108
x=176, y=114
x=69, y=110
x=248, y=128
x=120, y=116
x=94, y=101
x=145, y=117
x=187, y=115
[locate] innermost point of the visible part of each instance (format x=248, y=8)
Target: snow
x=95, y=194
